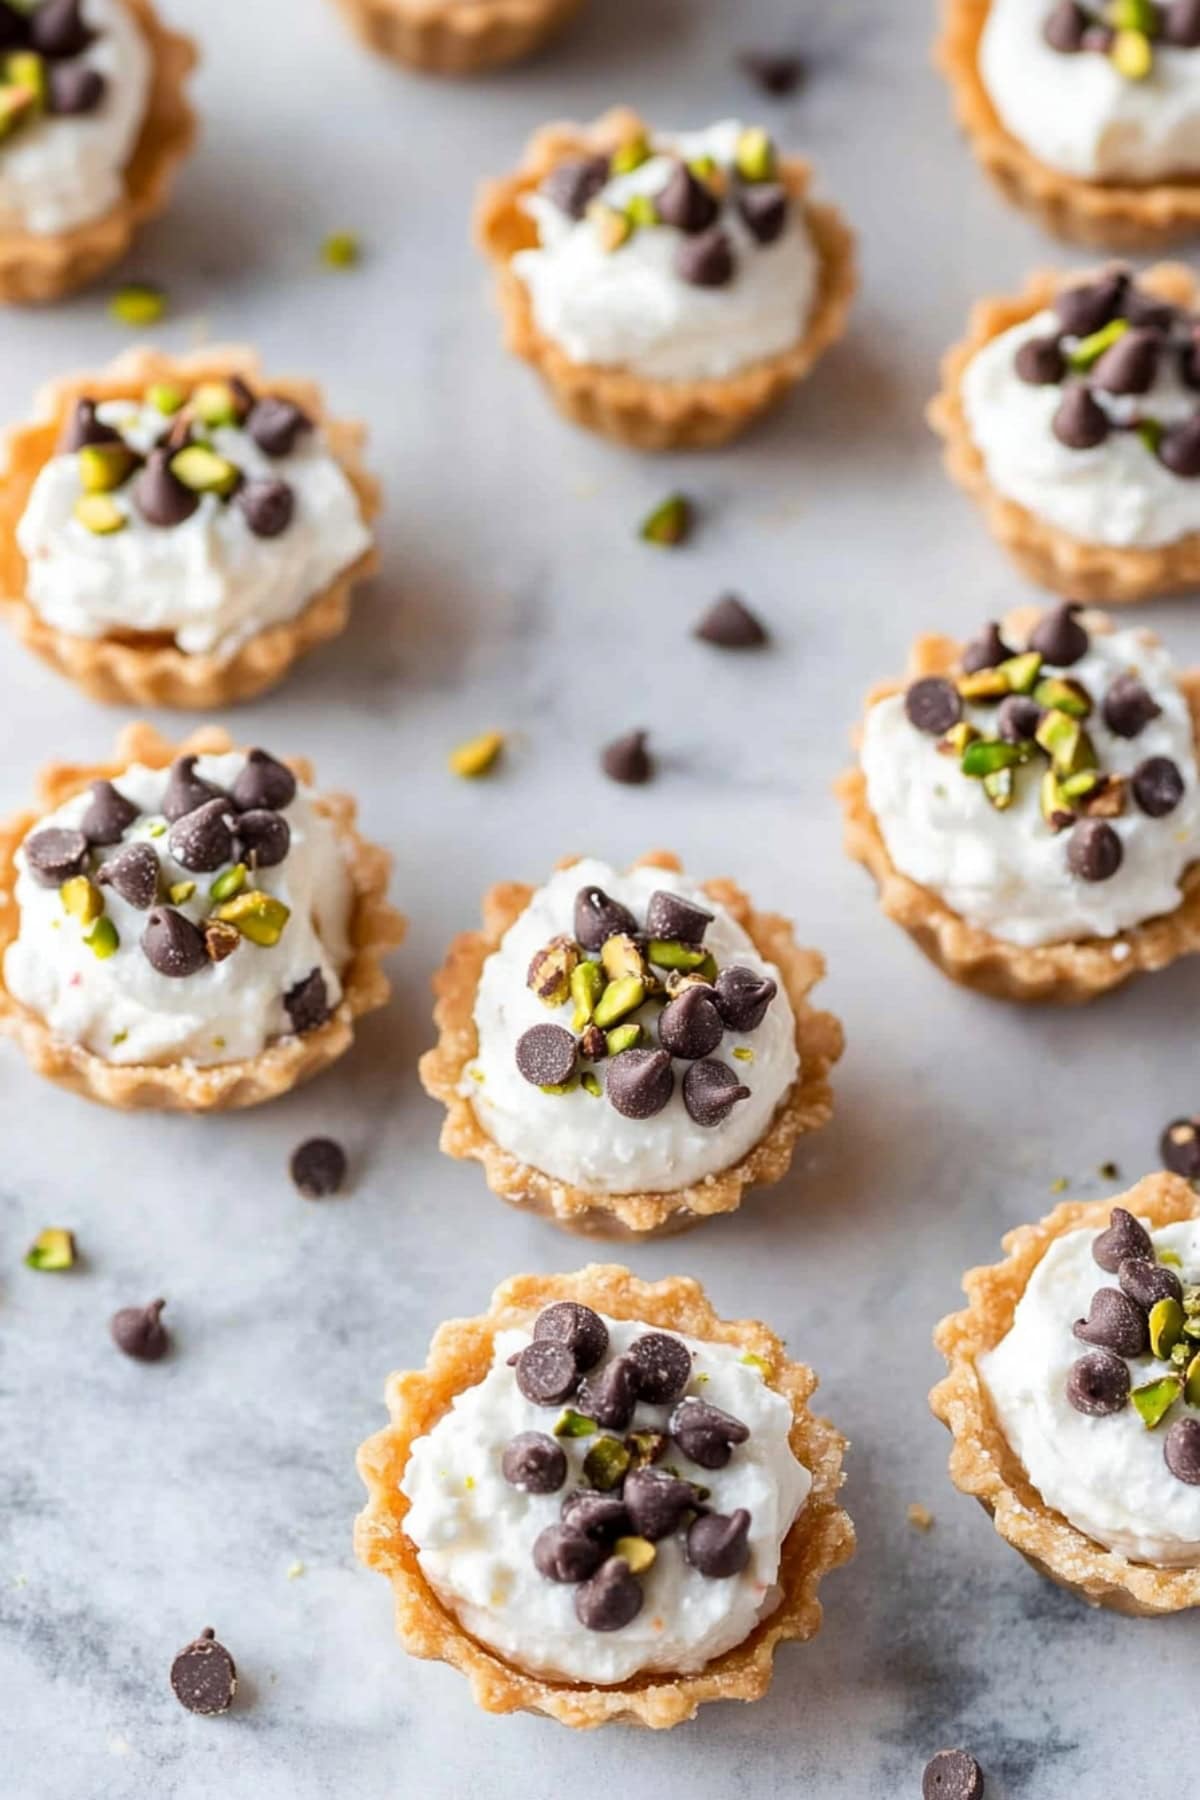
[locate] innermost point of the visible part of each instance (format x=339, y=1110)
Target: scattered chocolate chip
x=534, y=1463
x=579, y=1329
x=598, y=917
x=1094, y=851
x=1141, y=308
x=1129, y=707
x=561, y=1553
x=671, y=916
x=933, y=705
x=1087, y=306
x=263, y=783
x=730, y=625
x=546, y=1373
x=1130, y=365
x=186, y=790
x=1157, y=786
x=657, y=1502
x=109, y=814
x=685, y=202
x=1179, y=1148
x=1146, y=1283
x=55, y=854
x=546, y=1055
x=139, y=1332
x=952, y=1774
x=1017, y=718
x=763, y=208
x=690, y=1026
x=74, y=89
x=204, y=1676
x=1124, y=1237
x=307, y=1004
x=264, y=838
x=1181, y=1451
x=743, y=996
x=627, y=759
x=83, y=427
x=640, y=1082
x=1179, y=448
x=1080, y=423
x=159, y=495
x=203, y=840
x=986, y=651
x=267, y=504
x=275, y=424
x=1181, y=24
x=664, y=1367
x=775, y=72
x=610, y=1599
x=318, y=1167
x=705, y=1433
x=57, y=29
x=1114, y=1322
x=1040, y=362
x=718, y=1544
x=1065, y=27
x=596, y=1515
x=610, y=1396
x=1098, y=1383
x=574, y=184
x=172, y=944
x=705, y=260
x=711, y=1090
x=133, y=873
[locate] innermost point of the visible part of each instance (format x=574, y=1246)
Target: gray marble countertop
x=139, y=1504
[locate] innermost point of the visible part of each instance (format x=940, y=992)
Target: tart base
x=1067, y=974
x=375, y=928
x=1047, y=555
x=1102, y=215
x=458, y=39
x=983, y=1464
x=654, y=415
x=806, y=1107
x=144, y=669
x=35, y=268
x=459, y=1357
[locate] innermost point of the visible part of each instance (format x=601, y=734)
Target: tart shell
x=1066, y=973
x=654, y=415
x=144, y=669
x=450, y=37
x=983, y=1464
x=806, y=1107
x=39, y=268
x=1068, y=566
x=459, y=1357
x=375, y=928
x=1102, y=215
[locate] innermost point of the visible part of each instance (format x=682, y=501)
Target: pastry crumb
x=919, y=1517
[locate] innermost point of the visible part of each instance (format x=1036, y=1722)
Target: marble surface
x=139, y=1504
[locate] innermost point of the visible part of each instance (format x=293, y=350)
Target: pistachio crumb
x=341, y=250
x=52, y=1250
x=295, y=1570
x=478, y=756
x=138, y=303
x=743, y=1053
x=1059, y=1185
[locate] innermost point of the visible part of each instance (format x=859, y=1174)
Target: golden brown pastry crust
x=459, y=1357
x=807, y=1106
x=144, y=669
x=654, y=415
x=1066, y=565
x=1067, y=973
x=1103, y=215
x=375, y=928
x=981, y=1461
x=454, y=37
x=36, y=268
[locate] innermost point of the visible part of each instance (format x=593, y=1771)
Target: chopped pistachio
x=612, y=228
x=1166, y=1325
x=623, y=1037
x=1078, y=787
x=550, y=971
x=1063, y=695
x=1132, y=55
x=138, y=303
x=705, y=168
x=166, y=396
x=1150, y=431
x=1090, y=349
x=1133, y=15
x=572, y=1424
x=341, y=250
x=179, y=891
x=670, y=523
x=561, y=1087
x=957, y=738
x=641, y=211
x=51, y=1250
x=587, y=985
x=1171, y=1257
x=99, y=514
x=1056, y=808
x=983, y=684
x=82, y=899
x=1154, y=1399
x=605, y=1463
x=591, y=1084
x=985, y=755
x=258, y=916
x=1021, y=672
x=758, y=1363
x=1191, y=1381
x=158, y=828
x=1068, y=745
x=754, y=155
x=620, y=958
x=118, y=1038
x=637, y=1552
x=478, y=755
x=619, y=999
x=103, y=467
x=26, y=70
x=744, y=1053
x=228, y=883
x=16, y=105
x=630, y=155
x=204, y=472
x=668, y=953
x=646, y=1447
x=215, y=403
x=102, y=939
x=1001, y=788
x=1059, y=1185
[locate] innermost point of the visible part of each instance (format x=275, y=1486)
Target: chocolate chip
x=1157, y=786
x=730, y=625
x=1094, y=851
x=275, y=424
x=933, y=705
x=1141, y=308
x=546, y=1055
x=1130, y=365
x=139, y=1332
x=534, y=1463
x=1114, y=1322
x=777, y=74
x=986, y=651
x=657, y=1502
x=711, y=1090
x=610, y=1396
x=705, y=1433
x=1146, y=1283
x=574, y=184
x=690, y=1026
x=307, y=1004
x=185, y=790
x=1080, y=423
x=685, y=202
x=173, y=945
x=598, y=917
x=203, y=840
x=1089, y=305
x=1179, y=448
x=55, y=854
x=952, y=1775
x=1017, y=718
x=743, y=996
x=1098, y=1383
x=1181, y=24
x=263, y=783
x=705, y=260
x=264, y=838
x=640, y=1082
x=133, y=873
x=1040, y=362
x=57, y=29
x=204, y=1676
x=74, y=89
x=596, y=1515
x=1124, y=1237
x=1181, y=1451
x=610, y=1599
x=318, y=1167
x=718, y=1544
x=159, y=495
x=109, y=814
x=1065, y=26
x=763, y=208
x=268, y=505
x=83, y=427
x=579, y=1329
x=561, y=1553
x=1129, y=707
x=627, y=759
x=1179, y=1148
x=664, y=1367
x=546, y=1373
x=671, y=916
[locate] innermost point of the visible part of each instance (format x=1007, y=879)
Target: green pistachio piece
x=99, y=514
x=1001, y=788
x=669, y=523
x=228, y=883
x=1191, y=1295
x=215, y=403
x=1064, y=695
x=630, y=155
x=624, y=1037
x=341, y=250
x=620, y=958
x=605, y=1463
x=26, y=70
x=667, y=953
x=1132, y=55
x=179, y=891
x=591, y=1084
x=102, y=939
x=637, y=1552
x=1181, y=1355
x=983, y=684
x=204, y=471
x=758, y=1363
x=138, y=304
x=1150, y=431
x=1154, y=1399
x=1166, y=1325
x=612, y=228
x=641, y=211
x=957, y=738
x=561, y=1087
x=985, y=755
x=618, y=1000
x=1021, y=672
x=744, y=1053
x=477, y=756
x=1172, y=1258
x=1078, y=787
x=587, y=985
x=1070, y=748
x=1191, y=1381
x=1090, y=349
x=1133, y=15
x=754, y=155
x=572, y=1424
x=51, y=1250
x=166, y=396
x=16, y=105
x=678, y=982
x=551, y=970
x=103, y=467
x=82, y=899
x=258, y=916
x=646, y=1447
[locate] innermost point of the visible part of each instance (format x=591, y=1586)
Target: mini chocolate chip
x=610, y=1599
x=74, y=89
x=55, y=854
x=1141, y=308
x=986, y=651
x=1094, y=851
x=705, y=1433
x=596, y=1515
x=57, y=29
x=1130, y=365
x=1157, y=786
x=264, y=838
x=1040, y=362
x=597, y=918
x=664, y=1367
x=263, y=783
x=690, y=1026
x=1179, y=448
x=952, y=1775
x=574, y=184
x=730, y=625
x=933, y=705
x=546, y=1055
x=318, y=1167
x=1080, y=423
x=1179, y=1148
x=1146, y=1283
x=1129, y=707
x=1098, y=1383
x=1181, y=1451
x=671, y=916
x=275, y=424
x=610, y=1395
x=204, y=1676
x=1088, y=305
x=534, y=1463
x=139, y=1332
x=1124, y=1237
x=561, y=1553
x=777, y=74
x=159, y=495
x=763, y=208
x=267, y=504
x=657, y=1502
x=685, y=202
x=640, y=1082
x=1181, y=24
x=627, y=759
x=173, y=945
x=718, y=1544
x=307, y=1004
x=108, y=816
x=579, y=1329
x=1114, y=1322
x=743, y=996
x=711, y=1090
x=705, y=260
x=1017, y=718
x=546, y=1373
x=203, y=840
x=83, y=427
x=133, y=872
x=186, y=790
x=1065, y=27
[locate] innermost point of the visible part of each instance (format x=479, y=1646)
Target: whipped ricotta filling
x=578, y=1137
x=630, y=308
x=1107, y=1474
x=1117, y=492
x=119, y=1007
x=1077, y=113
x=210, y=582
x=474, y=1532
x=1006, y=872
x=57, y=172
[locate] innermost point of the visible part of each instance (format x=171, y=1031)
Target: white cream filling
x=59, y=172
x=1115, y=493
x=1106, y=1475
x=630, y=308
x=475, y=1533
x=580, y=1138
x=209, y=582
x=1076, y=113
x=120, y=1008
x=1006, y=872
